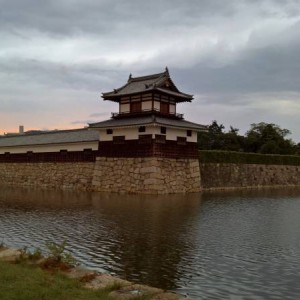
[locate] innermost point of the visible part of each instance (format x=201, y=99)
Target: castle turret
x=147, y=123
x=147, y=146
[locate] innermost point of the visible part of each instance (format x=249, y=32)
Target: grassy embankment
x=29, y=276
x=26, y=282
x=215, y=156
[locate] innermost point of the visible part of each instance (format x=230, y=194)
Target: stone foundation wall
x=76, y=175
x=221, y=176
x=150, y=175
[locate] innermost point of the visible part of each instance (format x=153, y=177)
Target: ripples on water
x=243, y=245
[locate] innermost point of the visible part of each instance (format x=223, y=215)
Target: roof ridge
x=42, y=133
x=151, y=76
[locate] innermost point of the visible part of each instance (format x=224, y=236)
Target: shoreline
x=118, y=288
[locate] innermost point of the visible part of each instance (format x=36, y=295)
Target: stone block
x=168, y=296
x=10, y=255
x=148, y=170
x=106, y=281
x=150, y=181
x=135, y=291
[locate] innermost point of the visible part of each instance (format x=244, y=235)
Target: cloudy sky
x=239, y=58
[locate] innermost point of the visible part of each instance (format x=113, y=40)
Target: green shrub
x=57, y=252
x=2, y=245
x=27, y=255
x=213, y=156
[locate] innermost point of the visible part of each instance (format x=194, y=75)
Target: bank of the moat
x=110, y=287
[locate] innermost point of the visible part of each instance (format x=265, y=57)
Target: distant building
x=21, y=131
x=56, y=145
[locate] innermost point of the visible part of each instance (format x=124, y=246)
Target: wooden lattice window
x=164, y=108
x=136, y=107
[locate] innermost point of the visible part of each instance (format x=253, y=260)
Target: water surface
x=241, y=245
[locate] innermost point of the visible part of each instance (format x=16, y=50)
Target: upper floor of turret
x=154, y=93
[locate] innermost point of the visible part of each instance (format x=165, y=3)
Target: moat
x=233, y=245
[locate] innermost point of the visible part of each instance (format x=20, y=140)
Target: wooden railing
x=144, y=112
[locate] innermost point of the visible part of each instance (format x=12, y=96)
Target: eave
x=179, y=97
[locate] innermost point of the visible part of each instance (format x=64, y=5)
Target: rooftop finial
x=167, y=70
x=130, y=76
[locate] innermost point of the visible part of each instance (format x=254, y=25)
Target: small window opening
x=63, y=152
x=142, y=129
x=163, y=130
x=119, y=139
x=181, y=140
x=109, y=131
x=189, y=132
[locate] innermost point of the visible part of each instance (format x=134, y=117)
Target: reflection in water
x=216, y=245
x=152, y=234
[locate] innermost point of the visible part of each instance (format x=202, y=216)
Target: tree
x=217, y=139
x=233, y=141
x=268, y=138
x=213, y=139
x=297, y=149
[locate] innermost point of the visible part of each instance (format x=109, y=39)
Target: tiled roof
x=51, y=137
x=145, y=84
x=148, y=120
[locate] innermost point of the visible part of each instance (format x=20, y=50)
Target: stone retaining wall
x=150, y=175
x=76, y=175
x=221, y=176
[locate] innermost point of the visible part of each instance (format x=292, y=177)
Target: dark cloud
x=272, y=68
x=75, y=76
x=65, y=17
x=233, y=55
x=101, y=17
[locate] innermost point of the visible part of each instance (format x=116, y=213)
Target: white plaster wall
x=172, y=109
x=147, y=105
x=173, y=133
x=193, y=138
x=133, y=134
x=124, y=108
x=129, y=133
x=157, y=105
x=51, y=148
